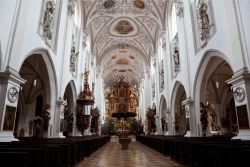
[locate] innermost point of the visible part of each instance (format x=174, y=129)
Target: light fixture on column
x=217, y=84
x=35, y=80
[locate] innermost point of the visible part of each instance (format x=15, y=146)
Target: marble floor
x=137, y=155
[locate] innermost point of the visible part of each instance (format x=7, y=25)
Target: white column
x=147, y=94
x=87, y=109
x=59, y=116
x=168, y=123
x=99, y=96
x=158, y=124
x=190, y=114
x=157, y=90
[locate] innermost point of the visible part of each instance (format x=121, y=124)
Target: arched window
x=173, y=22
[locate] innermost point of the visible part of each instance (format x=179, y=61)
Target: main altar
x=122, y=107
x=122, y=97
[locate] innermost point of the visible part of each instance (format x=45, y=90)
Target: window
x=173, y=23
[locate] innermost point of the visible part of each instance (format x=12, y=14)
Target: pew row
x=49, y=152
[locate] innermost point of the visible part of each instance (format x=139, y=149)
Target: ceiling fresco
x=124, y=31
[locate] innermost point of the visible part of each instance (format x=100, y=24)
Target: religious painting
x=121, y=108
x=139, y=4
x=124, y=27
x=9, y=118
x=109, y=4
x=242, y=117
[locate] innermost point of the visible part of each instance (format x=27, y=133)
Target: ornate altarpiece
x=122, y=97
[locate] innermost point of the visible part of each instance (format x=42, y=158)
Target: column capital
x=61, y=102
x=240, y=77
x=11, y=75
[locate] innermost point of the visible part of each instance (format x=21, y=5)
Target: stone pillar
x=99, y=97
x=87, y=110
x=190, y=114
x=59, y=115
x=10, y=82
x=158, y=124
x=146, y=97
x=145, y=127
x=168, y=122
x=240, y=82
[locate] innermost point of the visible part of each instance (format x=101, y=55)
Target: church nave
x=138, y=155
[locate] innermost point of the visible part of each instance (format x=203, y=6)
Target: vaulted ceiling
x=124, y=35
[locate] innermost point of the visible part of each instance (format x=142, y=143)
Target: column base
x=7, y=137
x=59, y=135
x=243, y=135
x=167, y=133
x=188, y=134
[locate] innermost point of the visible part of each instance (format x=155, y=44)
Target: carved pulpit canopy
x=86, y=97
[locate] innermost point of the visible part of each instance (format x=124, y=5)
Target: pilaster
x=10, y=88
x=240, y=82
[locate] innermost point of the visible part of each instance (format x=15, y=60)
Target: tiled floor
x=137, y=155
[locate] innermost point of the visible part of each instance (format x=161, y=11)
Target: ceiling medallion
x=122, y=61
x=123, y=48
x=109, y=4
x=124, y=27
x=139, y=4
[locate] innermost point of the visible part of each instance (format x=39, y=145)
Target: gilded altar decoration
x=69, y=120
x=151, y=120
x=122, y=97
x=139, y=4
x=124, y=27
x=48, y=20
x=83, y=121
x=95, y=114
x=46, y=117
